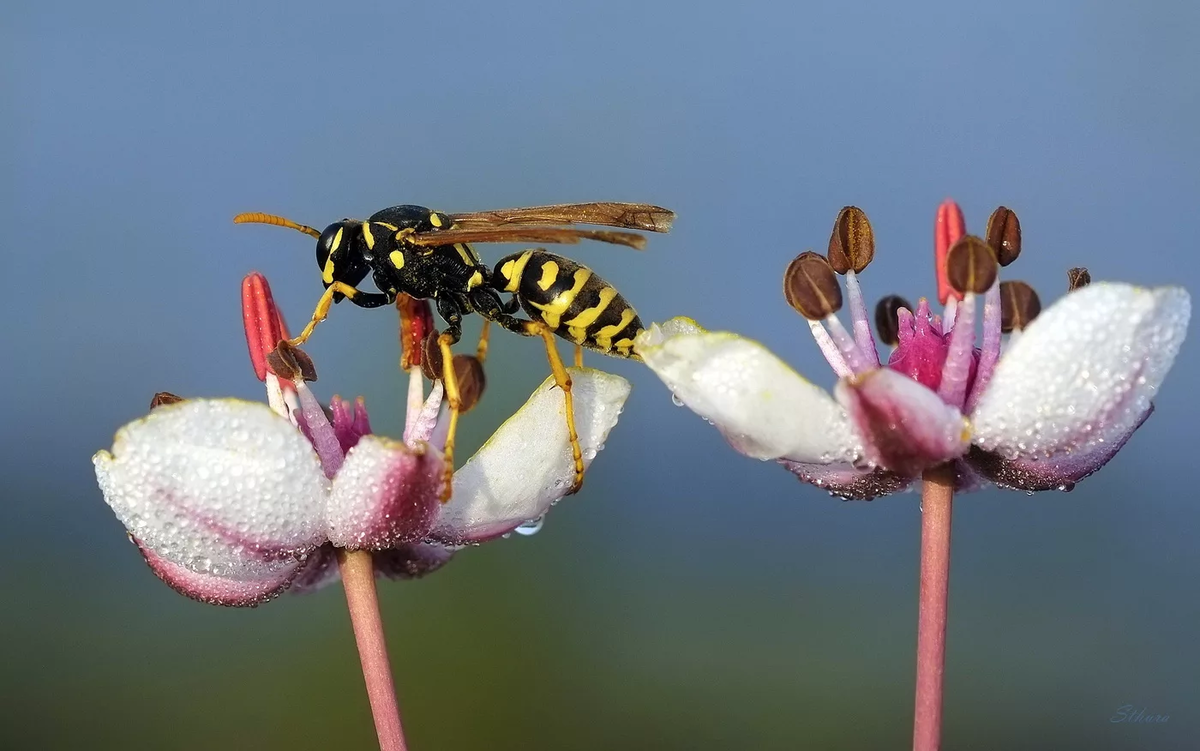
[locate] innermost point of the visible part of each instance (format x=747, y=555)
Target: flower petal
x=320, y=570
x=847, y=482
x=762, y=407
x=1072, y=389
x=526, y=466
x=385, y=494
x=220, y=590
x=217, y=486
x=905, y=427
x=411, y=561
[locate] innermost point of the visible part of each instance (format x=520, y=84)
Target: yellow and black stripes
x=571, y=300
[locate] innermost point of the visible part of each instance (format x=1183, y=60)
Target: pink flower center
x=922, y=349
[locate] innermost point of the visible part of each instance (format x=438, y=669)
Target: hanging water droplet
x=531, y=527
x=676, y=400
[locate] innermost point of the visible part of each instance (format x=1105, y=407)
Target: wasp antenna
x=256, y=217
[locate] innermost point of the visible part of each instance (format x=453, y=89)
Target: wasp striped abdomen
x=571, y=300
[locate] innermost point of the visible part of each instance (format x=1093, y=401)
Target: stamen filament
x=989, y=354
x=416, y=400
x=957, y=368
x=860, y=320
x=851, y=354
x=830, y=350
x=949, y=314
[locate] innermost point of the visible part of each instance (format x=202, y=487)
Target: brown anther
x=431, y=356
x=468, y=370
x=971, y=266
x=289, y=362
x=1019, y=305
x=810, y=286
x=164, y=397
x=887, y=320
x=1078, y=277
x=852, y=244
x=1004, y=235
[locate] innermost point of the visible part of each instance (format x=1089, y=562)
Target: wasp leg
x=451, y=311
x=579, y=355
x=482, y=349
x=563, y=379
x=356, y=296
x=490, y=307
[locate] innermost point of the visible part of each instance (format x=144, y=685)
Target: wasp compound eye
x=811, y=288
x=329, y=241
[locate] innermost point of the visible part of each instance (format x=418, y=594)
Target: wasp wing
x=519, y=234
x=641, y=216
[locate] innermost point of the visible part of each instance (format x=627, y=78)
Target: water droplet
x=531, y=527
x=676, y=400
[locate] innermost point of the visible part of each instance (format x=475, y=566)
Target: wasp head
x=340, y=254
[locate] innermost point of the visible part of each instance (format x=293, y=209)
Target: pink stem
x=936, y=496
x=358, y=579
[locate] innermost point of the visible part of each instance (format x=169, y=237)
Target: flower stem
x=936, y=496
x=358, y=579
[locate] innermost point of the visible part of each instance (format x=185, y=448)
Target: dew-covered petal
x=385, y=494
x=217, y=486
x=222, y=590
x=526, y=466
x=763, y=408
x=847, y=482
x=411, y=561
x=1058, y=472
x=1070, y=391
x=905, y=427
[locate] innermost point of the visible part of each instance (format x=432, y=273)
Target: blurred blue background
x=688, y=597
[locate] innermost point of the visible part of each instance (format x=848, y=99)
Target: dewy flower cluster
x=1046, y=410
x=232, y=502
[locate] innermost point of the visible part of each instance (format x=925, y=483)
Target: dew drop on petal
x=531, y=527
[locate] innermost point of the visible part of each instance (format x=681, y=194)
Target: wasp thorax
x=971, y=266
x=887, y=318
x=811, y=287
x=1019, y=305
x=1078, y=277
x=1004, y=235
x=852, y=244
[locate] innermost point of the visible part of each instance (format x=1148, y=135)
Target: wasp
x=428, y=255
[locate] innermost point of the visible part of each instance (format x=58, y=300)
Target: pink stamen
x=947, y=230
x=859, y=320
x=956, y=371
x=830, y=350
x=990, y=353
